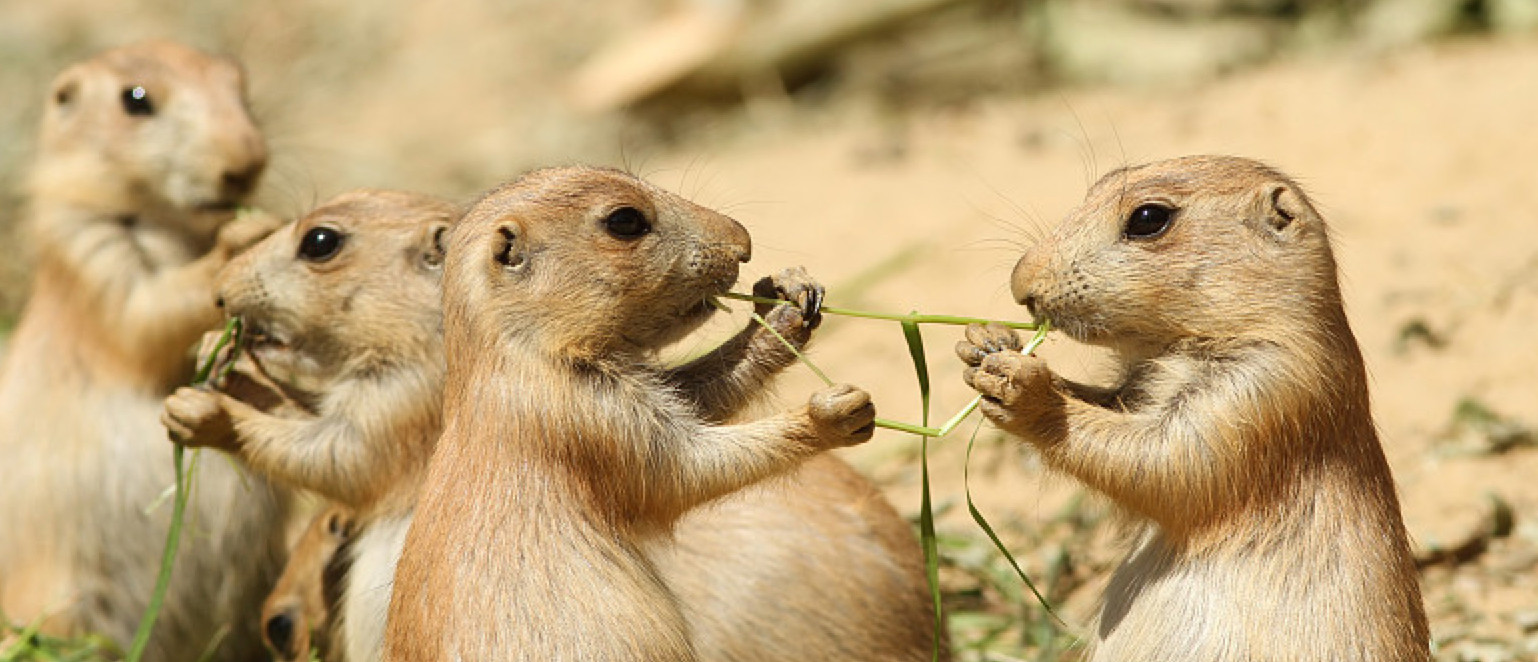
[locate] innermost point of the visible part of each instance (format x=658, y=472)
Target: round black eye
x=320, y=244
x=136, y=101
x=627, y=223
x=1148, y=221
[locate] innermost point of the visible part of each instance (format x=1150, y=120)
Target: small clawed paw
x=803, y=294
x=983, y=341
x=1009, y=378
x=247, y=228
x=844, y=414
x=194, y=417
x=207, y=347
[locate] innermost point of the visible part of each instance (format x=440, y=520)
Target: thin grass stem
x=178, y=507
x=891, y=317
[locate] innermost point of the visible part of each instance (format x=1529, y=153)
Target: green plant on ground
x=927, y=535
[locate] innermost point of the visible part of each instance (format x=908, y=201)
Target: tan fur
x=297, y=614
x=1241, y=436
x=130, y=223
x=814, y=566
x=565, y=450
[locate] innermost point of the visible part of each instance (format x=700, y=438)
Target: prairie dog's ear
x=508, y=249
x=1282, y=207
x=66, y=88
x=430, y=246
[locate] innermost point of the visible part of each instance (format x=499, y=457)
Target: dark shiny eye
x=627, y=223
x=136, y=101
x=1148, y=221
x=320, y=244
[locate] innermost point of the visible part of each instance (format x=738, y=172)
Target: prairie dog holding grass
x=566, y=451
x=144, y=154
x=1241, y=436
x=343, y=311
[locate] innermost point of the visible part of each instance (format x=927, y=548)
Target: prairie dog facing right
x=565, y=450
x=1241, y=437
x=144, y=155
x=343, y=308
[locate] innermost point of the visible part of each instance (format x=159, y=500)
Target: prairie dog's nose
x=737, y=237
x=280, y=635
x=1023, y=281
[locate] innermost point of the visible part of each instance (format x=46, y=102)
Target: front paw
x=985, y=340
x=248, y=227
x=197, y=417
x=843, y=416
x=802, y=310
x=221, y=357
x=1015, y=387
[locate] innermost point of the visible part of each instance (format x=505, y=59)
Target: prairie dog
x=144, y=154
x=846, y=573
x=296, y=615
x=565, y=450
x=1241, y=436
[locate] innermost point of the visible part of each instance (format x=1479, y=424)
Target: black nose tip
x=243, y=180
x=280, y=633
x=219, y=302
x=1030, y=304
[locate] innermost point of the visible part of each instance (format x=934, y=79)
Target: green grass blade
x=910, y=317
x=977, y=516
x=178, y=509
x=167, y=559
x=927, y=535
x=920, y=364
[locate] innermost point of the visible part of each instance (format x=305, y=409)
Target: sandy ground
x=1423, y=160
x=1419, y=161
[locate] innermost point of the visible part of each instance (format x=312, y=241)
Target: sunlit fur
x=356, y=339
x=1241, y=436
x=296, y=615
x=566, y=451
x=129, y=221
x=839, y=559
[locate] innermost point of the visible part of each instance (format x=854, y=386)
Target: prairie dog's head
x=295, y=616
x=590, y=261
x=152, y=125
x=349, y=287
x=1203, y=247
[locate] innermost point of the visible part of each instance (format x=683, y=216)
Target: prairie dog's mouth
x=259, y=337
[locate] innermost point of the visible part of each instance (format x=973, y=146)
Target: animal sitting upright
x=145, y=153
x=1240, y=438
x=566, y=450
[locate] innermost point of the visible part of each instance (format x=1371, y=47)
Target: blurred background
x=905, y=151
